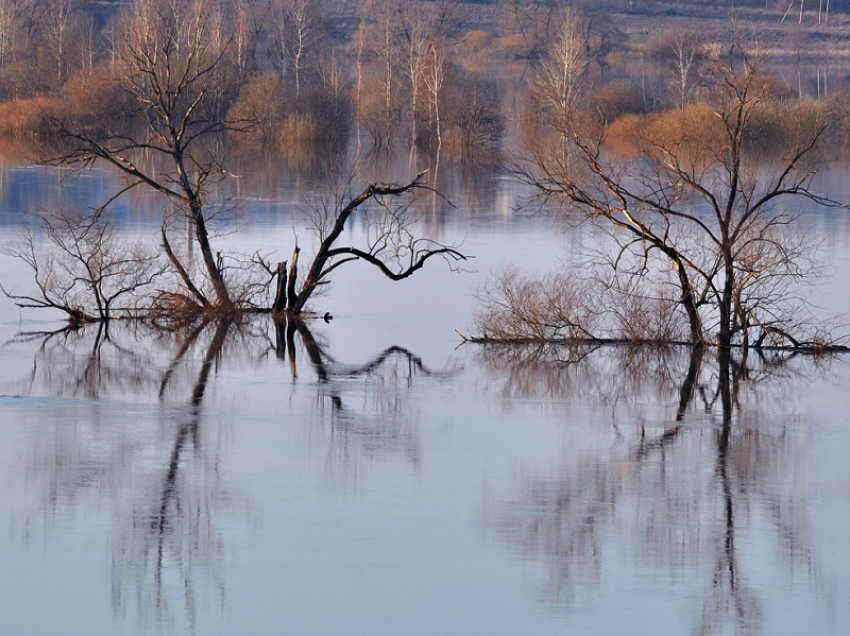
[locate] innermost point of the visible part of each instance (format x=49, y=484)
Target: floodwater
x=370, y=476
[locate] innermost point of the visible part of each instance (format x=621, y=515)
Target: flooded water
x=370, y=476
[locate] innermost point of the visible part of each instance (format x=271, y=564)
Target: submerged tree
x=702, y=208
x=178, y=72
x=85, y=270
x=172, y=68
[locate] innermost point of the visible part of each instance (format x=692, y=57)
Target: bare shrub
x=472, y=116
x=778, y=124
x=20, y=79
x=96, y=94
x=380, y=114
x=514, y=306
x=640, y=318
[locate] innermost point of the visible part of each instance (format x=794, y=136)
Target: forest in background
x=447, y=74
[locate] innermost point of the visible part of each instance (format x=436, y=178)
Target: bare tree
x=297, y=29
x=379, y=106
x=561, y=77
x=415, y=33
x=393, y=246
x=698, y=210
x=86, y=269
x=173, y=72
x=685, y=54
x=59, y=22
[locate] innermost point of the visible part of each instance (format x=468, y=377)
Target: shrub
x=28, y=118
x=617, y=99
x=258, y=111
x=472, y=115
x=624, y=134
x=96, y=95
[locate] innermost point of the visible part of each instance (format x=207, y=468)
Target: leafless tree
x=394, y=245
x=685, y=55
x=414, y=36
x=59, y=23
x=298, y=29
x=698, y=209
x=86, y=269
x=379, y=106
x=173, y=72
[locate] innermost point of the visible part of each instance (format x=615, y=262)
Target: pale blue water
x=421, y=489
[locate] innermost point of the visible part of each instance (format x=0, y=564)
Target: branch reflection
x=677, y=492
x=367, y=407
x=173, y=499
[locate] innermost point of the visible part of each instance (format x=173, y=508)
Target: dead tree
x=394, y=247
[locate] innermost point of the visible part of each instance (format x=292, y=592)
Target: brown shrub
x=298, y=129
x=776, y=126
x=624, y=134
x=383, y=121
x=516, y=306
x=257, y=112
x=693, y=132
x=472, y=117
x=20, y=79
x=618, y=98
x=29, y=118
x=96, y=94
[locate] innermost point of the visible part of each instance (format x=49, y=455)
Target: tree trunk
x=280, y=292
x=213, y=268
x=292, y=303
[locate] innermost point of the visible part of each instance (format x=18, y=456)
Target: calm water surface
x=370, y=477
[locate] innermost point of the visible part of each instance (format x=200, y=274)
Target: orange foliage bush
x=693, y=128
x=28, y=118
x=624, y=134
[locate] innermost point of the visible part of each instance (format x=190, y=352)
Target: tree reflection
x=366, y=406
x=677, y=493
x=173, y=500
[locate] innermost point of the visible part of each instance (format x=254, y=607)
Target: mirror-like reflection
x=229, y=466
x=692, y=493
x=174, y=510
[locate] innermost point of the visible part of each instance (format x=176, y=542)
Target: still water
x=370, y=476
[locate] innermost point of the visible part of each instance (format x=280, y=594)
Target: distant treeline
x=302, y=74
